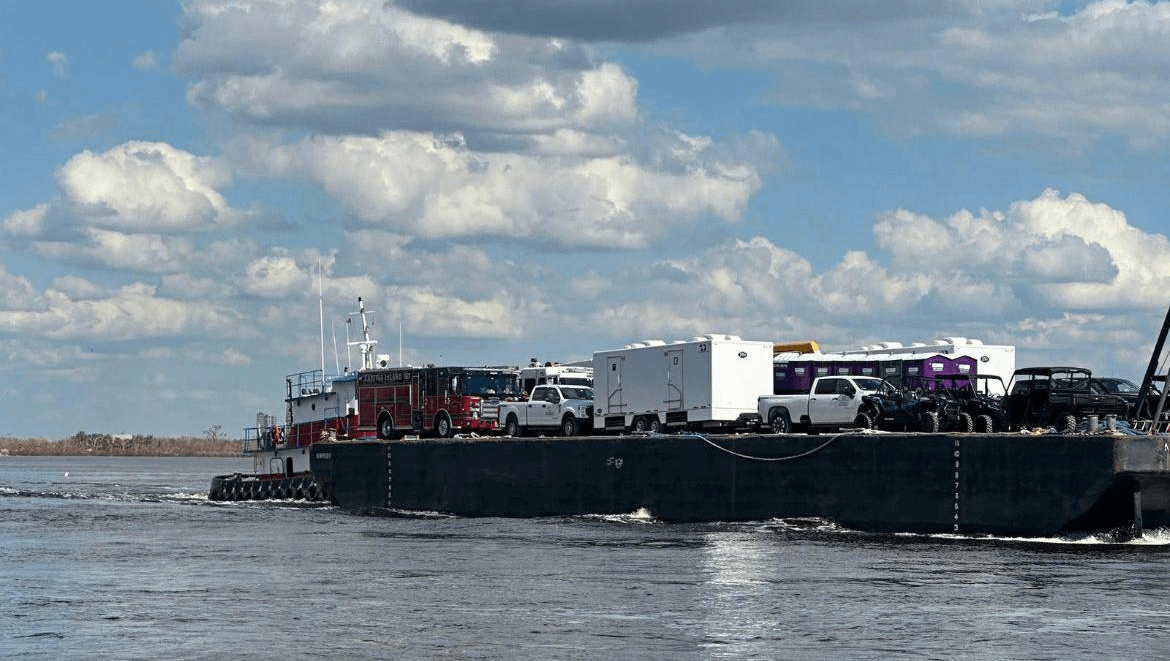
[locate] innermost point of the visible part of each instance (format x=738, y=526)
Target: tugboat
x=318, y=408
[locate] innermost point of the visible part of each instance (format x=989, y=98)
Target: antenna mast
x=321, y=309
x=366, y=345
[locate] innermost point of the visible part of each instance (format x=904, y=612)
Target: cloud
x=1050, y=269
x=120, y=209
x=133, y=312
x=145, y=61
x=650, y=20
x=60, y=64
x=146, y=186
x=437, y=187
x=365, y=67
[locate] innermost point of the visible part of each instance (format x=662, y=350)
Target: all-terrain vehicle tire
x=1067, y=423
x=966, y=423
x=985, y=425
x=928, y=422
x=863, y=421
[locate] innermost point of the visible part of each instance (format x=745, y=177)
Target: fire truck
x=439, y=401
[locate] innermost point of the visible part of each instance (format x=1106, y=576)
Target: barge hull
x=958, y=483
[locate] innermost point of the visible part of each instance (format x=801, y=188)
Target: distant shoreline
x=121, y=445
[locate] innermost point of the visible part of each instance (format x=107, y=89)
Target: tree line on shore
x=212, y=444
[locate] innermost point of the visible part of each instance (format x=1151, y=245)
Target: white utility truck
x=567, y=375
x=712, y=381
x=832, y=404
x=567, y=409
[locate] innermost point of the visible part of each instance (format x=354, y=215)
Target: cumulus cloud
x=1053, y=269
x=60, y=63
x=121, y=208
x=131, y=313
x=145, y=61
x=365, y=66
x=146, y=186
x=431, y=187
x=1067, y=72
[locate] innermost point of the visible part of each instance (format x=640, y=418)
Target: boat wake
x=640, y=516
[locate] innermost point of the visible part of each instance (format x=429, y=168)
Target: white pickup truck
x=831, y=404
x=567, y=409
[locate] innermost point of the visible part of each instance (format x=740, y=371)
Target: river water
x=125, y=558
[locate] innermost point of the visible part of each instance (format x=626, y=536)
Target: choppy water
x=112, y=558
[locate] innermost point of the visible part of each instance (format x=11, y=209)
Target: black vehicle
x=1057, y=397
x=981, y=397
x=1127, y=390
x=902, y=409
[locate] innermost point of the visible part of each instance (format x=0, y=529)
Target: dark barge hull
x=1001, y=484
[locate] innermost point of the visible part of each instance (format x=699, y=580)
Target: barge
x=998, y=484
x=392, y=440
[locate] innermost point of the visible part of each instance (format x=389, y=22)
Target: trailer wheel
x=985, y=424
x=966, y=422
x=569, y=426
x=655, y=425
x=443, y=426
x=929, y=422
x=512, y=426
x=386, y=427
x=779, y=422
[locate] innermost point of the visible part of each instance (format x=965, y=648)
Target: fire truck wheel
x=443, y=426
x=386, y=427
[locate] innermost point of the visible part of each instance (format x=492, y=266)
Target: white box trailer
x=710, y=381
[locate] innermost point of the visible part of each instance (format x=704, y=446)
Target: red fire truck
x=441, y=401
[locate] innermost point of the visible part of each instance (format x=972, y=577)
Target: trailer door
x=674, y=380
x=613, y=385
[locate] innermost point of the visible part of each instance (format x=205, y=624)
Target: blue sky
x=558, y=177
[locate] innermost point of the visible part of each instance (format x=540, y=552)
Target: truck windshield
x=868, y=384
x=575, y=381
x=577, y=393
x=492, y=385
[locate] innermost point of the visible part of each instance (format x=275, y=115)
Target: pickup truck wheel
x=779, y=422
x=640, y=424
x=512, y=427
x=569, y=426
x=655, y=425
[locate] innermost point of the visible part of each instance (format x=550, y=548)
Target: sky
x=501, y=181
